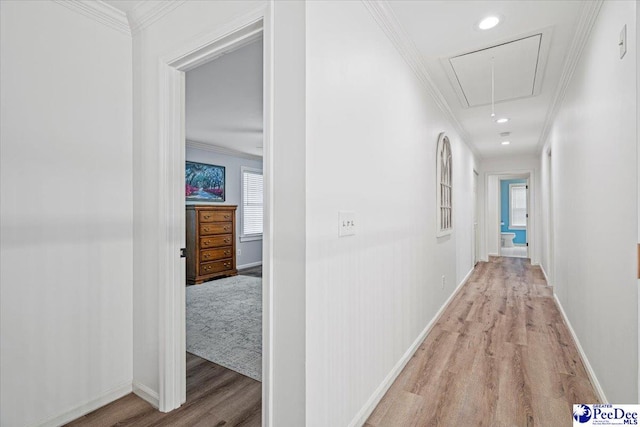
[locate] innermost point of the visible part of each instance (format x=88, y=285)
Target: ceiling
x=526, y=76
x=514, y=65
x=528, y=49
x=224, y=101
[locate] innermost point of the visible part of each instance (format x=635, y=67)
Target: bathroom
x=513, y=218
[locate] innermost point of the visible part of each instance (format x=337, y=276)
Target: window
x=445, y=187
x=517, y=205
x=251, y=218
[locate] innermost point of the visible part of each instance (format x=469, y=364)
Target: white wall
x=371, y=147
x=593, y=145
x=66, y=213
x=184, y=29
x=251, y=251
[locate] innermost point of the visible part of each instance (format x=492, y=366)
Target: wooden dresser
x=211, y=242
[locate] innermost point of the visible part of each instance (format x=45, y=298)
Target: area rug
x=224, y=323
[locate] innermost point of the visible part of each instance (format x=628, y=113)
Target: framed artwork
x=444, y=177
x=204, y=183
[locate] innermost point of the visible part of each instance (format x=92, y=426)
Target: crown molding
x=388, y=22
x=588, y=16
x=150, y=11
x=221, y=150
x=100, y=12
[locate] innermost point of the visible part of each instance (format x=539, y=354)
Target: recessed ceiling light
x=502, y=120
x=506, y=142
x=489, y=22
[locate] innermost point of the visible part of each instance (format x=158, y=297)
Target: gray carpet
x=224, y=323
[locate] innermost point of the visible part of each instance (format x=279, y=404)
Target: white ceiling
x=224, y=101
x=455, y=23
x=224, y=97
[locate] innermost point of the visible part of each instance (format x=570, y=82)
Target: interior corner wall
x=250, y=251
x=372, y=133
x=66, y=214
x=593, y=173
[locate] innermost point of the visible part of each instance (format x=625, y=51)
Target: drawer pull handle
x=227, y=252
x=226, y=228
x=227, y=240
x=206, y=242
x=206, y=217
x=226, y=217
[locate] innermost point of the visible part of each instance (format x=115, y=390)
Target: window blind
x=518, y=206
x=251, y=202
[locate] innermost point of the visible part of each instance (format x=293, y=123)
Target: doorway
x=498, y=215
x=514, y=217
x=224, y=203
x=172, y=351
x=476, y=230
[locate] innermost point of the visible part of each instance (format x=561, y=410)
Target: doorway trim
x=529, y=175
x=172, y=68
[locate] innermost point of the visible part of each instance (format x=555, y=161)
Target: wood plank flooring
x=251, y=271
x=500, y=355
x=216, y=396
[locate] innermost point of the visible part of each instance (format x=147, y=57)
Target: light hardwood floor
x=216, y=396
x=500, y=355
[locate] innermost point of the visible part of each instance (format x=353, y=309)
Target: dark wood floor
x=251, y=271
x=216, y=396
x=500, y=355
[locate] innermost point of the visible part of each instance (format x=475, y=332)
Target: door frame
x=529, y=175
x=527, y=180
x=172, y=68
x=475, y=226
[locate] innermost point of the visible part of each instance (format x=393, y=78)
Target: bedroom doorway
x=173, y=364
x=224, y=203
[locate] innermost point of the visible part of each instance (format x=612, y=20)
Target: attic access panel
x=516, y=70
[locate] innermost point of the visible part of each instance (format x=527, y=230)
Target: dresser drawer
x=216, y=228
x=216, y=241
x=210, y=216
x=214, y=254
x=216, y=266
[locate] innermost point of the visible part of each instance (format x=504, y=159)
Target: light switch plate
x=346, y=223
x=623, y=41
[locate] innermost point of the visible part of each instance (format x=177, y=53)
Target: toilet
x=507, y=239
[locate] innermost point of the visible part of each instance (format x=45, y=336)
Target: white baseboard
x=144, y=392
x=88, y=406
x=249, y=265
x=368, y=408
x=583, y=356
x=545, y=274
x=496, y=254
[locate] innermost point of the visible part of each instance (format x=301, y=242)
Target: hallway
x=500, y=355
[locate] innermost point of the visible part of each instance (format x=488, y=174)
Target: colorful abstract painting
x=204, y=183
